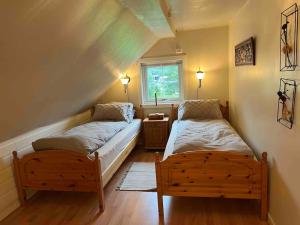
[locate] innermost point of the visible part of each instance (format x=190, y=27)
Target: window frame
x=157, y=62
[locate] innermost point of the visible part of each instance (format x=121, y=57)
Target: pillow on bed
x=131, y=114
x=130, y=110
x=200, y=109
x=68, y=142
x=114, y=112
x=128, y=104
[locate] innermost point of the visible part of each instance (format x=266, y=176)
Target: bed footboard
x=212, y=174
x=58, y=170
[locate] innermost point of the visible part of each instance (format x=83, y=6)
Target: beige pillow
x=68, y=142
x=128, y=104
x=114, y=112
x=130, y=109
x=200, y=109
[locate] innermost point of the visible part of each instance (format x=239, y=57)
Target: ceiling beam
x=154, y=14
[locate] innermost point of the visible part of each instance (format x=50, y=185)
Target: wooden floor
x=132, y=208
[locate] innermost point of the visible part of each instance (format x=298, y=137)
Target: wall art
x=286, y=102
x=289, y=39
x=245, y=53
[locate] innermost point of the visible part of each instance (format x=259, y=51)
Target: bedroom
x=59, y=59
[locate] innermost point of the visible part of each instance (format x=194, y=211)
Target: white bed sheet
x=116, y=144
x=170, y=148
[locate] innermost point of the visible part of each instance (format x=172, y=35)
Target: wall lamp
x=200, y=75
x=125, y=81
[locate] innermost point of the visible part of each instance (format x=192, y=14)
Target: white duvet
x=85, y=138
x=208, y=135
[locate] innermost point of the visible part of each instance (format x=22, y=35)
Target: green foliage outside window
x=164, y=81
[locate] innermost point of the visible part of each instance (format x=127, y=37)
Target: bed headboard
x=224, y=109
x=139, y=112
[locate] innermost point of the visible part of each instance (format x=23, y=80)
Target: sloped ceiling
x=197, y=14
x=57, y=57
x=153, y=13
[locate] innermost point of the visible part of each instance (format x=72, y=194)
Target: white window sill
x=161, y=105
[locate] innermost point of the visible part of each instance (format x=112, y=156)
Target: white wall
x=207, y=48
x=253, y=101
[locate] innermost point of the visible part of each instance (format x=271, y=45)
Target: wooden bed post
x=227, y=111
x=159, y=189
x=21, y=191
x=171, y=114
x=99, y=182
x=227, y=104
x=142, y=112
x=264, y=187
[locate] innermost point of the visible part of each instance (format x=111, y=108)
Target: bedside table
x=156, y=133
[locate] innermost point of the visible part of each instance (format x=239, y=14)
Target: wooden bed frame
x=66, y=170
x=214, y=173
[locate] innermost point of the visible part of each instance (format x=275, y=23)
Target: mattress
x=191, y=135
x=116, y=144
x=172, y=137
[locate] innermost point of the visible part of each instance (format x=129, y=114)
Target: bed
x=70, y=170
x=222, y=168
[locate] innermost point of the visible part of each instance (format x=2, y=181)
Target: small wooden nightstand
x=156, y=133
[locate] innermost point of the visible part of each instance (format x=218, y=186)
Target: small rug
x=139, y=177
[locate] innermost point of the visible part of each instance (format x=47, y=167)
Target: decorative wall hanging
x=289, y=39
x=245, y=53
x=286, y=102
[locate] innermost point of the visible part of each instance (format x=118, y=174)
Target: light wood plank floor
x=132, y=208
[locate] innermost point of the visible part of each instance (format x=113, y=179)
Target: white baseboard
x=22, y=144
x=270, y=220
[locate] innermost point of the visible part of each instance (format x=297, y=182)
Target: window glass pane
x=164, y=81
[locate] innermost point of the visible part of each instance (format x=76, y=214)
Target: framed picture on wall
x=245, y=53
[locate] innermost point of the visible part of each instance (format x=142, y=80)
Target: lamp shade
x=200, y=74
x=125, y=80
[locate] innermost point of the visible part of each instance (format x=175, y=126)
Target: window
x=164, y=80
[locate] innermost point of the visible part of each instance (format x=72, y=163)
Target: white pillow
x=112, y=112
x=200, y=109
